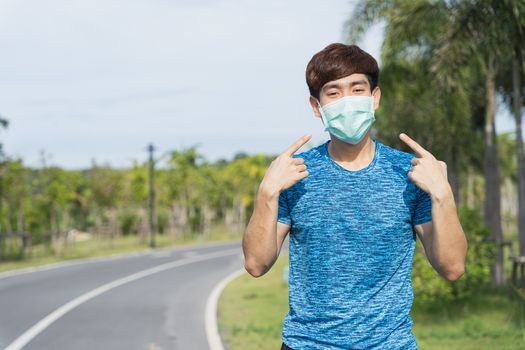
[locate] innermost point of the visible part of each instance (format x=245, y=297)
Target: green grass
x=251, y=312
x=490, y=320
x=40, y=255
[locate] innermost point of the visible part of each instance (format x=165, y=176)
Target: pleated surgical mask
x=348, y=118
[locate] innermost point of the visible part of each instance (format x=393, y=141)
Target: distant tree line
x=192, y=195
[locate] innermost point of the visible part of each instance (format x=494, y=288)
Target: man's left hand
x=427, y=172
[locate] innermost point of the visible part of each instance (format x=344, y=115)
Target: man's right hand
x=263, y=236
x=285, y=171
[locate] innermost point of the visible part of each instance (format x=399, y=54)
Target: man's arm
x=443, y=237
x=264, y=236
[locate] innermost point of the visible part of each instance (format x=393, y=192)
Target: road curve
x=152, y=301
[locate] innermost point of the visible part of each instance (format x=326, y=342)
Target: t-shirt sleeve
x=423, y=211
x=283, y=214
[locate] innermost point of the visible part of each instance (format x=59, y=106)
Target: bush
x=129, y=223
x=429, y=286
x=162, y=220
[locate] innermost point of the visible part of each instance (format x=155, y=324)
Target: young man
x=353, y=207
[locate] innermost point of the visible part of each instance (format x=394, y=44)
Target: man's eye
x=332, y=93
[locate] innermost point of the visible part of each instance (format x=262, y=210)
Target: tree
x=479, y=35
x=514, y=13
x=182, y=179
x=244, y=175
x=107, y=187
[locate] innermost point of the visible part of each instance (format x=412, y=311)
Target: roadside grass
x=251, y=312
x=490, y=320
x=40, y=255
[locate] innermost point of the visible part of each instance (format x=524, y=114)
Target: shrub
x=429, y=286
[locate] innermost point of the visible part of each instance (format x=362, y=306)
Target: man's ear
x=315, y=106
x=377, y=97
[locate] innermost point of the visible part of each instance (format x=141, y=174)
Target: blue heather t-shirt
x=351, y=252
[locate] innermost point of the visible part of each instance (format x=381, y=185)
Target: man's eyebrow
x=358, y=82
x=338, y=86
x=332, y=86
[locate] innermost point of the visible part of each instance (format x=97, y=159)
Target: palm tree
x=515, y=28
x=183, y=180
x=490, y=33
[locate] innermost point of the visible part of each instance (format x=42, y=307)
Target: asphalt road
x=149, y=301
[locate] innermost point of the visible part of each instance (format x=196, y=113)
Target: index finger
x=420, y=151
x=297, y=144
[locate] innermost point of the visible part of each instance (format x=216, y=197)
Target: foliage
x=430, y=287
x=192, y=195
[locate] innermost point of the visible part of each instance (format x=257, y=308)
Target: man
x=353, y=207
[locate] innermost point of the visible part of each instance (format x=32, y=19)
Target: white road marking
x=41, y=325
x=52, y=266
x=210, y=314
x=60, y=264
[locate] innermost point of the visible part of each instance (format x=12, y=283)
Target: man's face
x=352, y=85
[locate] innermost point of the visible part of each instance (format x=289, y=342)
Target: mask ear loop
x=372, y=133
x=322, y=114
x=374, y=98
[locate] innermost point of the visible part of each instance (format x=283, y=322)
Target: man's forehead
x=352, y=79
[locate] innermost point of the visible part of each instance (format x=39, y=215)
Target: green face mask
x=349, y=118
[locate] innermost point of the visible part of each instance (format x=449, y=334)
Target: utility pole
x=151, y=149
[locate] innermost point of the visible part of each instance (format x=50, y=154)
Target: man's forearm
x=260, y=237
x=449, y=244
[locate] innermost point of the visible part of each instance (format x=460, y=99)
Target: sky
x=85, y=81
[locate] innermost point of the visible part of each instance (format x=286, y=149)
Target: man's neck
x=352, y=157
